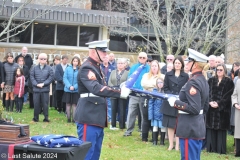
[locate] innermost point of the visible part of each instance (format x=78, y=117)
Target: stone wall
x=52, y=52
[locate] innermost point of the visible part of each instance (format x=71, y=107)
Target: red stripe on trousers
x=84, y=132
x=11, y=149
x=186, y=149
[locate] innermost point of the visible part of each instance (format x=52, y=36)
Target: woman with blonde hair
x=148, y=83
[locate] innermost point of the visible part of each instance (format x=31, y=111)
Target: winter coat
x=38, y=75
x=27, y=59
x=110, y=69
x=70, y=79
x=154, y=106
x=9, y=73
x=173, y=85
x=19, y=86
x=219, y=118
x=113, y=78
x=59, y=77
x=236, y=99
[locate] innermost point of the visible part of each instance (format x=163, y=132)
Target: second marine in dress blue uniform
x=192, y=105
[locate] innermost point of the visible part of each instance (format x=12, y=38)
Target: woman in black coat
x=218, y=116
x=173, y=82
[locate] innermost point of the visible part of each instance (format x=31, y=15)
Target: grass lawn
x=115, y=146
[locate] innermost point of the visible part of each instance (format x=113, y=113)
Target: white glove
x=172, y=100
x=125, y=92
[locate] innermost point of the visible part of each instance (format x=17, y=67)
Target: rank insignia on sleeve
x=91, y=76
x=192, y=91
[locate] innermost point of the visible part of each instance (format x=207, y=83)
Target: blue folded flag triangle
x=148, y=94
x=55, y=141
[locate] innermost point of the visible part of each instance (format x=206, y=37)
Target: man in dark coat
x=27, y=58
x=91, y=115
x=41, y=77
x=192, y=105
x=59, y=71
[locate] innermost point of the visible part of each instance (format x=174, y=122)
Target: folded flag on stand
x=55, y=141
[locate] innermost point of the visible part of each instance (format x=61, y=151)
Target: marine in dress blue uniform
x=91, y=111
x=192, y=105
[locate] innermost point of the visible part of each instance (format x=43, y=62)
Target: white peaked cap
x=99, y=45
x=196, y=56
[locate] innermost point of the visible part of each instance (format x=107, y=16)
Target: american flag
x=55, y=141
x=141, y=93
x=133, y=77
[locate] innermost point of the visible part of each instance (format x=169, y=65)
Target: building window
x=43, y=33
x=88, y=34
x=67, y=35
x=21, y=33
x=117, y=43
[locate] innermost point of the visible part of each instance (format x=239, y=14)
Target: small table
x=33, y=151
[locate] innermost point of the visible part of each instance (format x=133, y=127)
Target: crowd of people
x=57, y=82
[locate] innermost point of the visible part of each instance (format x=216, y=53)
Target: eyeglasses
x=169, y=59
x=159, y=82
x=142, y=57
x=220, y=70
x=43, y=59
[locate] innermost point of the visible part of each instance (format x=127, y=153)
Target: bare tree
x=9, y=24
x=177, y=25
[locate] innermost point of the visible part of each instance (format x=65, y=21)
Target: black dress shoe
x=35, y=120
x=46, y=120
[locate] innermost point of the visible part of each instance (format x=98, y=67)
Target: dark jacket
x=93, y=110
x=59, y=77
x=219, y=118
x=27, y=59
x=109, y=70
x=154, y=106
x=38, y=75
x=193, y=100
x=173, y=85
x=164, y=69
x=9, y=70
x=26, y=75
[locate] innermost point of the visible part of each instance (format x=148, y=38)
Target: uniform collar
x=93, y=61
x=195, y=73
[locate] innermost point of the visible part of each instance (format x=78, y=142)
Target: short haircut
x=64, y=56
x=57, y=57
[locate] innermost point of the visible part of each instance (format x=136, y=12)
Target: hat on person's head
x=196, y=56
x=99, y=45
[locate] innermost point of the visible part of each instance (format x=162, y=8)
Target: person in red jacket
x=19, y=89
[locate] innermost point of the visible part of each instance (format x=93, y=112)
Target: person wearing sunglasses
x=135, y=102
x=170, y=58
x=41, y=77
x=218, y=116
x=192, y=105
